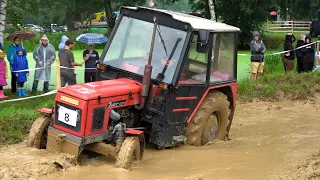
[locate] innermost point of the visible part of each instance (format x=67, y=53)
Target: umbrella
x=273, y=13
x=25, y=35
x=92, y=38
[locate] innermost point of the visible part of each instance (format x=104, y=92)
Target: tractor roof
x=195, y=22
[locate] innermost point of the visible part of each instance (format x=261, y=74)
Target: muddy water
x=268, y=139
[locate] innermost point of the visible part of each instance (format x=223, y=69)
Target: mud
x=269, y=141
x=21, y=162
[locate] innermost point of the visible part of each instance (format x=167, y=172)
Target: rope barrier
x=31, y=97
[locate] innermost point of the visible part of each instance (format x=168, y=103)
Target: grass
x=16, y=118
x=278, y=86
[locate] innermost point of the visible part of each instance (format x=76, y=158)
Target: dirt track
x=268, y=140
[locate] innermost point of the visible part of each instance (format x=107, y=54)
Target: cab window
x=195, y=66
x=223, y=58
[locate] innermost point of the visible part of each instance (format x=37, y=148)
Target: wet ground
x=268, y=140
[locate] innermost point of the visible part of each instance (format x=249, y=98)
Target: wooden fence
x=288, y=26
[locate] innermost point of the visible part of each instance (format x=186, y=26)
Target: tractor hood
x=106, y=88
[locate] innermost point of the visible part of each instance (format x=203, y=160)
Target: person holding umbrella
x=90, y=57
x=44, y=54
x=11, y=56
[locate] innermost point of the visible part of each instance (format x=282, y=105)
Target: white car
x=34, y=28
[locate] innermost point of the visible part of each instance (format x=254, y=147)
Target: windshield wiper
x=162, y=41
x=161, y=75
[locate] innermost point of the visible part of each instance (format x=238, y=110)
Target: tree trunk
x=151, y=3
x=108, y=9
x=212, y=11
x=3, y=4
x=70, y=15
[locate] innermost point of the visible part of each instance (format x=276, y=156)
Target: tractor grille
x=68, y=117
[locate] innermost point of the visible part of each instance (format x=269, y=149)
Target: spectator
x=290, y=55
x=62, y=45
x=20, y=69
x=44, y=54
x=11, y=56
x=3, y=74
x=1, y=47
x=309, y=55
x=257, y=49
x=90, y=56
x=67, y=60
x=300, y=53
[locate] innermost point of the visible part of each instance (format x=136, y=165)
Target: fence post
x=292, y=26
x=267, y=26
x=58, y=83
x=318, y=52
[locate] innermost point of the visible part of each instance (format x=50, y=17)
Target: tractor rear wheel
x=129, y=152
x=39, y=133
x=210, y=121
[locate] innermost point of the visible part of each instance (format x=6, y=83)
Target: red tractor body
x=180, y=89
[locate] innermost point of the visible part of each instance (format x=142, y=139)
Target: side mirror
x=203, y=41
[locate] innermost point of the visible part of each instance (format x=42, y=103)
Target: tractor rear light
x=163, y=86
x=101, y=67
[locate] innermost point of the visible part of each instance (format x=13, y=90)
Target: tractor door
x=192, y=81
x=179, y=101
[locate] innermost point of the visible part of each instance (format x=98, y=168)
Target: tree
x=248, y=15
x=212, y=5
x=3, y=4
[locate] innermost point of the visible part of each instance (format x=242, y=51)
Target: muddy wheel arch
x=38, y=132
x=212, y=112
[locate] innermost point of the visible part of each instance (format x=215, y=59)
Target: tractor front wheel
x=129, y=152
x=39, y=133
x=210, y=121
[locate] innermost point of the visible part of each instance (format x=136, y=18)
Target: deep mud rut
x=269, y=140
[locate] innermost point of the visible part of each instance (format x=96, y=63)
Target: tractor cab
x=190, y=56
x=167, y=78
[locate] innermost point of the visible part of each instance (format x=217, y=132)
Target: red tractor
x=180, y=89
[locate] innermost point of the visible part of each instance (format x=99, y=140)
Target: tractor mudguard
x=140, y=135
x=46, y=111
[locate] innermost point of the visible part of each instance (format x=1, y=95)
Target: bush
x=271, y=62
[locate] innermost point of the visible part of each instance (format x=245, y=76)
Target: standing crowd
x=304, y=51
x=44, y=55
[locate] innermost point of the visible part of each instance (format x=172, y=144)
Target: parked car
x=61, y=29
x=34, y=28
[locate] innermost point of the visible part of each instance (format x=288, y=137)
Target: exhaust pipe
x=146, y=81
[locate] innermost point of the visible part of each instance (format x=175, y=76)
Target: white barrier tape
x=63, y=67
x=282, y=52
x=32, y=69
x=31, y=97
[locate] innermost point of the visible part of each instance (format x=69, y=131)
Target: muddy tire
x=39, y=133
x=129, y=152
x=210, y=121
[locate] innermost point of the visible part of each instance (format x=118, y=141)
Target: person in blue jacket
x=20, y=70
x=11, y=55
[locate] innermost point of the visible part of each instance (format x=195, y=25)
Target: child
x=3, y=74
x=21, y=63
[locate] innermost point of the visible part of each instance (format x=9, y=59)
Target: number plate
x=68, y=116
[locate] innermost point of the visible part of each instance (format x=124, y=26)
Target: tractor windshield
x=129, y=49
